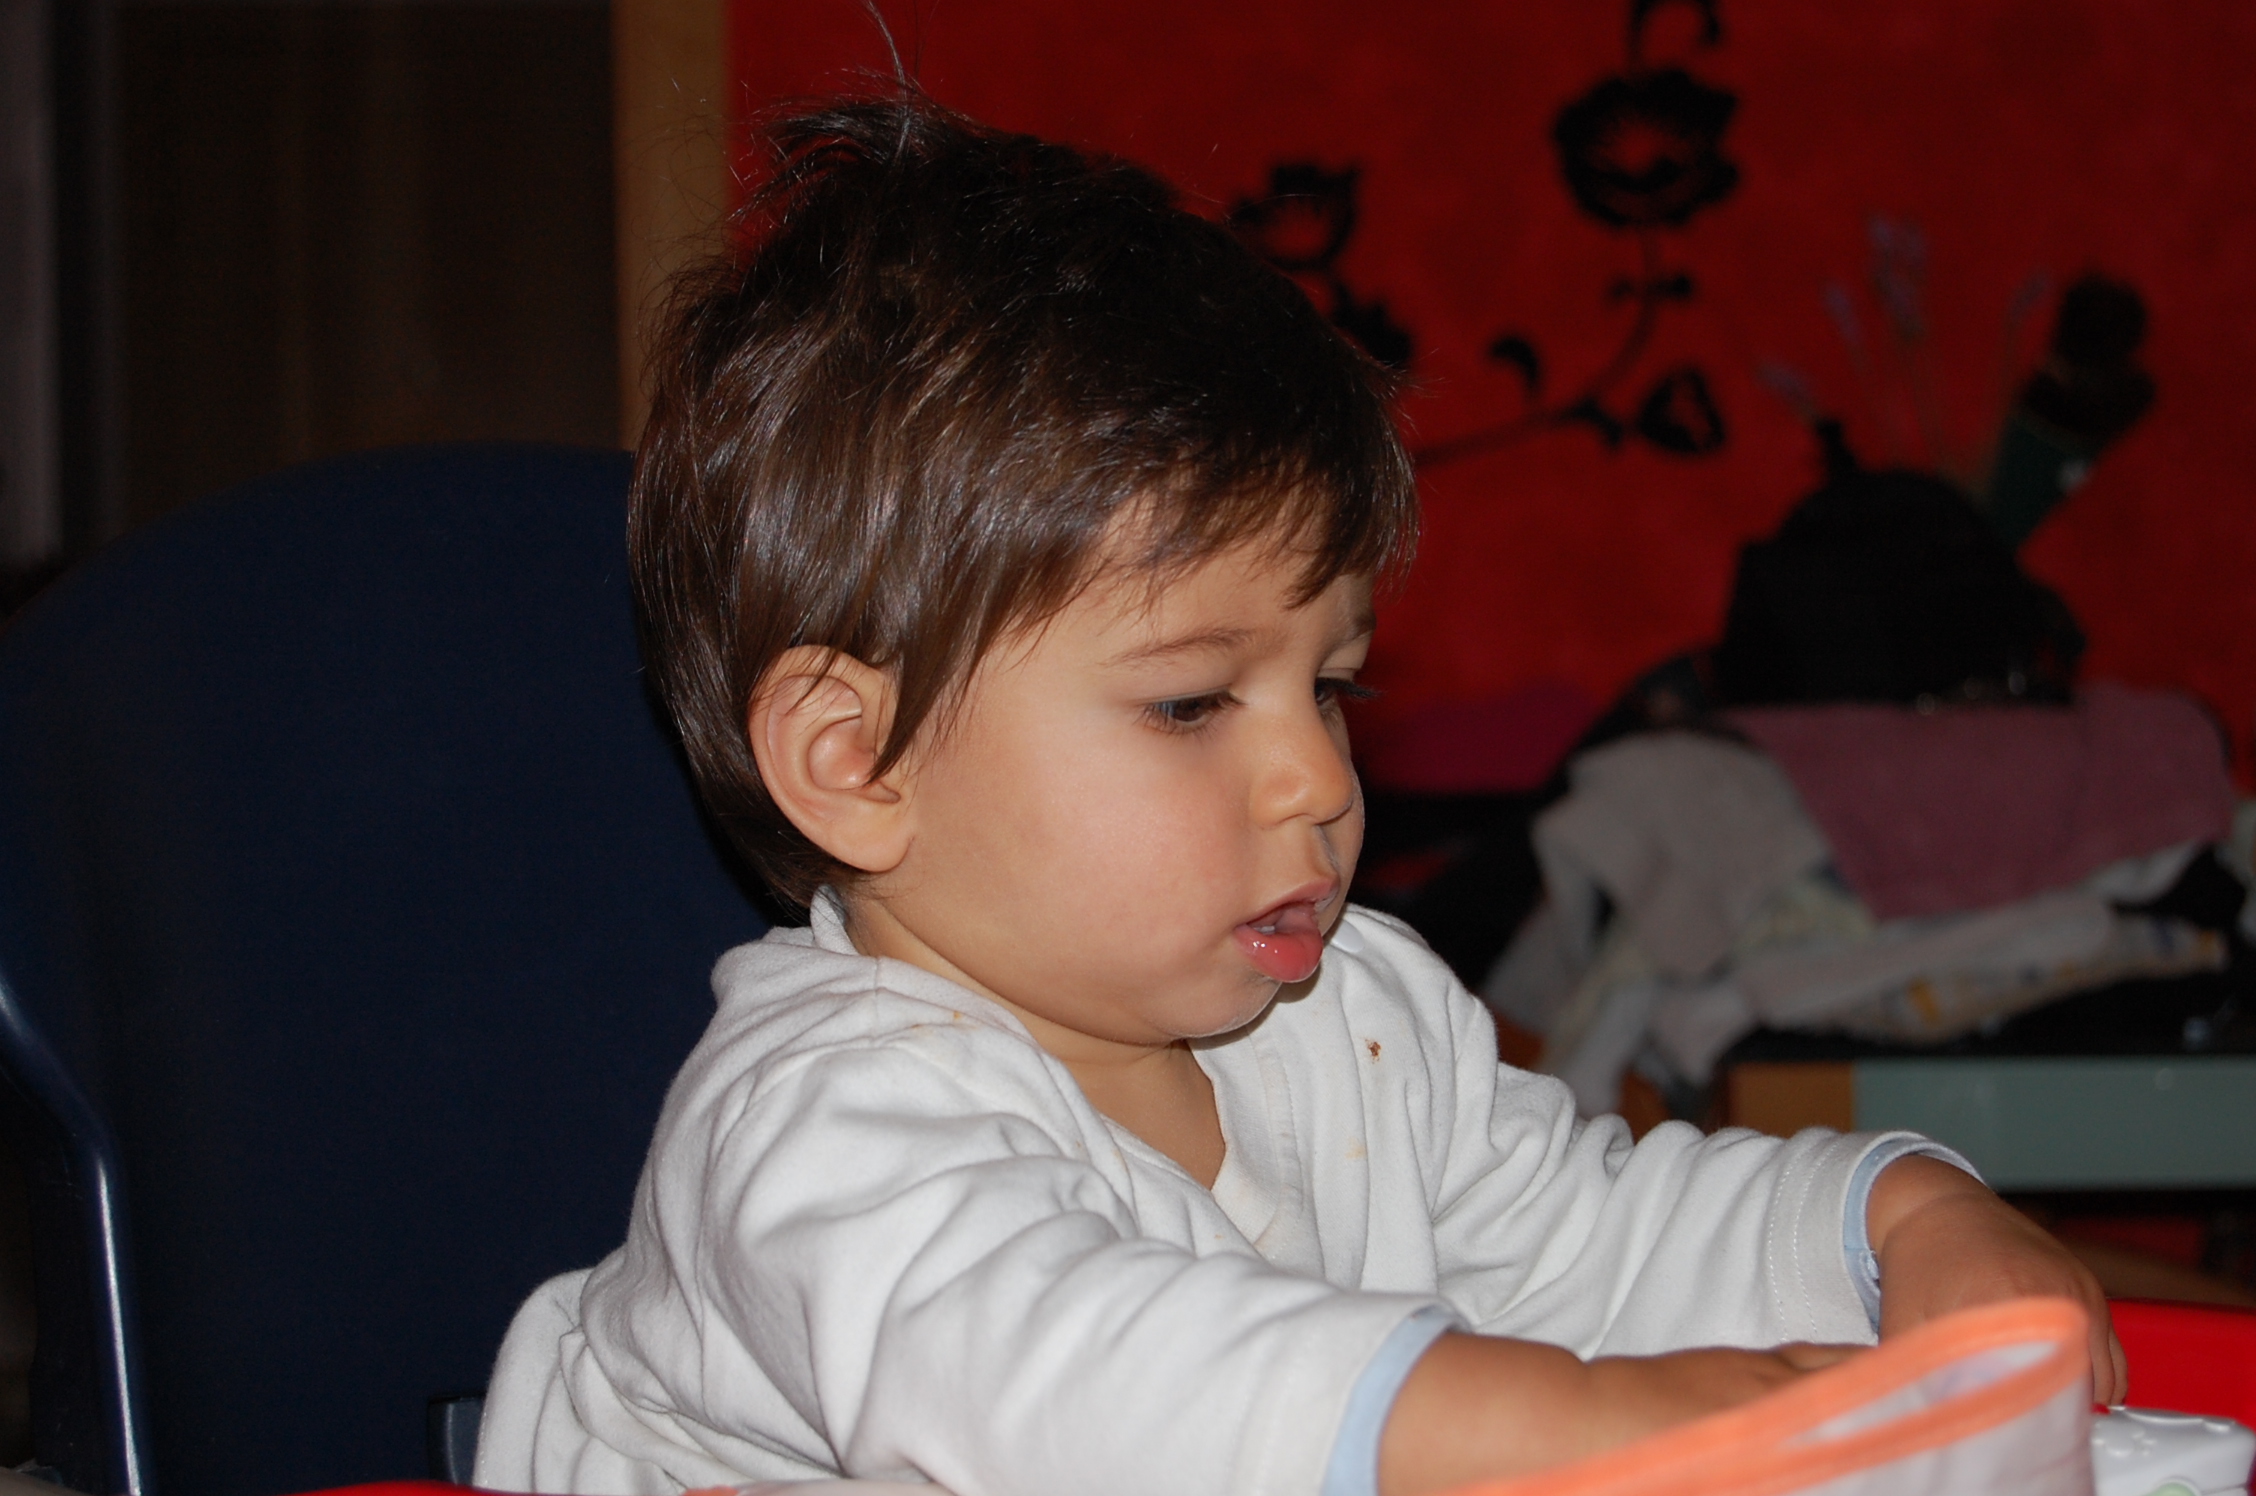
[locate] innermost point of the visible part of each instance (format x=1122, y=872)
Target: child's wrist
x=1911, y=1185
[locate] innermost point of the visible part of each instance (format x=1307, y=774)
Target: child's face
x=1143, y=819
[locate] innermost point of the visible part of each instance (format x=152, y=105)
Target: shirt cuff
x=1856, y=1240
x=1354, y=1468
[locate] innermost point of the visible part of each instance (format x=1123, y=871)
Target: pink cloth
x=1971, y=807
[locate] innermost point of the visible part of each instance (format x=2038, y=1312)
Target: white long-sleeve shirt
x=881, y=1232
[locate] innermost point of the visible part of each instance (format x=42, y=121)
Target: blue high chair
x=355, y=911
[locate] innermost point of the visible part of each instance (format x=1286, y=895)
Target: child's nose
x=1307, y=773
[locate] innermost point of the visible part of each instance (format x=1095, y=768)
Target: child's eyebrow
x=1203, y=641
x=1215, y=641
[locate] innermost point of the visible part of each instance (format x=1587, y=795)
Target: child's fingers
x=2111, y=1371
x=1803, y=1355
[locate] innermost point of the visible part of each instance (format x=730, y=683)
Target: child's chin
x=1244, y=1006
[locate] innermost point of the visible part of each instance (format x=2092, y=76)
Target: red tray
x=2189, y=1358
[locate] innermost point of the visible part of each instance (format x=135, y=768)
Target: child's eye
x=1331, y=691
x=1186, y=713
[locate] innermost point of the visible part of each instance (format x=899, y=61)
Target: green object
x=2037, y=466
x=2125, y=1122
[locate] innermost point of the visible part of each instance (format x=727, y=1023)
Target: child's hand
x=1483, y=1408
x=1945, y=1242
x=1650, y=1393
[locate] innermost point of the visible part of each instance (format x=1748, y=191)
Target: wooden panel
x=350, y=226
x=1784, y=1099
x=31, y=528
x=670, y=132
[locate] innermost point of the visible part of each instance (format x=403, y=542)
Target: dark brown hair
x=897, y=417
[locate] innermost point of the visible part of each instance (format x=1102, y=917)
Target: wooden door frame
x=670, y=133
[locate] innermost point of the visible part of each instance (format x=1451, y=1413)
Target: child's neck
x=1164, y=1098
x=1156, y=1091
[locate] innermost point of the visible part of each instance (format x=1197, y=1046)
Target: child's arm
x=1481, y=1407
x=1945, y=1242
x=1478, y=1407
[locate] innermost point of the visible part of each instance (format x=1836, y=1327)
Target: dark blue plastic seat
x=355, y=911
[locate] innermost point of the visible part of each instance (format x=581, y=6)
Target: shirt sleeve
x=1561, y=1230
x=1354, y=1468
x=1856, y=1241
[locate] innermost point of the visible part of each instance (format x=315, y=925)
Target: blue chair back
x=355, y=911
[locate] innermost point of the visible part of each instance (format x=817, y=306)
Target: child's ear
x=816, y=725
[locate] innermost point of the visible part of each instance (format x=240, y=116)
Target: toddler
x=1005, y=538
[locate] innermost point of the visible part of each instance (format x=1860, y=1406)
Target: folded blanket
x=1976, y=807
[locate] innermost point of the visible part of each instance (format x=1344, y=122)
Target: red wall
x=2022, y=136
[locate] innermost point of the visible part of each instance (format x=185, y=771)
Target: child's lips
x=1286, y=942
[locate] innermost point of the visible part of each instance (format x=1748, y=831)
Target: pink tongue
x=1288, y=951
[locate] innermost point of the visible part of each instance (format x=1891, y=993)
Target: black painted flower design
x=1644, y=149
x=1300, y=226
x=1304, y=220
x=1642, y=152
x=1679, y=414
x=1372, y=325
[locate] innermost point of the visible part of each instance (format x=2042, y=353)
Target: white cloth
x=1799, y=988
x=1925, y=981
x=882, y=1233
x=1688, y=835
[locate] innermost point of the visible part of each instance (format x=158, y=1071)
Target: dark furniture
x=355, y=912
